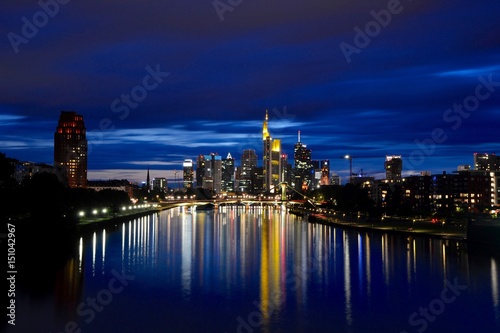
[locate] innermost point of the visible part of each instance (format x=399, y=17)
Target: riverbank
x=404, y=227
x=89, y=224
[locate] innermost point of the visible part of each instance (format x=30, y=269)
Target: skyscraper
x=200, y=170
x=188, y=173
x=271, y=162
x=248, y=163
x=214, y=172
x=266, y=154
x=393, y=168
x=303, y=172
x=285, y=169
x=209, y=172
x=227, y=177
x=70, y=148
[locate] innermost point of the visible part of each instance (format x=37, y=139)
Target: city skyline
x=423, y=83
x=70, y=145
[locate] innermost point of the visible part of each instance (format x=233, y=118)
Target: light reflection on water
x=264, y=270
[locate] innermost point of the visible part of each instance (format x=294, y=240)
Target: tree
x=8, y=187
x=44, y=196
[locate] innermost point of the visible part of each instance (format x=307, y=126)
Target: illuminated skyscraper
x=286, y=169
x=227, y=174
x=266, y=154
x=303, y=173
x=200, y=170
x=209, y=172
x=393, y=168
x=70, y=148
x=188, y=173
x=248, y=163
x=271, y=162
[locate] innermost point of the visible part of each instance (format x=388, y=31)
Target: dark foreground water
x=260, y=270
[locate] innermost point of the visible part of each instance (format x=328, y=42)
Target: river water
x=260, y=270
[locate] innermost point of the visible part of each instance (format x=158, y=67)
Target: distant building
x=227, y=174
x=286, y=170
x=303, y=167
x=70, y=148
x=26, y=170
x=188, y=173
x=393, y=168
x=473, y=190
x=160, y=184
x=247, y=165
x=419, y=193
x=495, y=188
x=257, y=180
x=200, y=170
x=209, y=172
x=464, y=190
x=112, y=184
x=335, y=179
x=325, y=173
x=147, y=183
x=443, y=192
x=486, y=162
x=463, y=167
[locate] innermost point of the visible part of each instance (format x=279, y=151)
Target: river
x=259, y=270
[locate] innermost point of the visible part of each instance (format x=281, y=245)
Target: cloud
x=279, y=55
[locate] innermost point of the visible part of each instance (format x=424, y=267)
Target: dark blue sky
x=422, y=82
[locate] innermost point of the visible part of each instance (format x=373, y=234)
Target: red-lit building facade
x=70, y=148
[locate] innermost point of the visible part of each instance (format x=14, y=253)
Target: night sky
x=161, y=81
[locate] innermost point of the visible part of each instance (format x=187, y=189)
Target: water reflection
x=276, y=272
x=221, y=250
x=494, y=287
x=347, y=280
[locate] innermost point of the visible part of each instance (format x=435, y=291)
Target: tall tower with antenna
x=271, y=161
